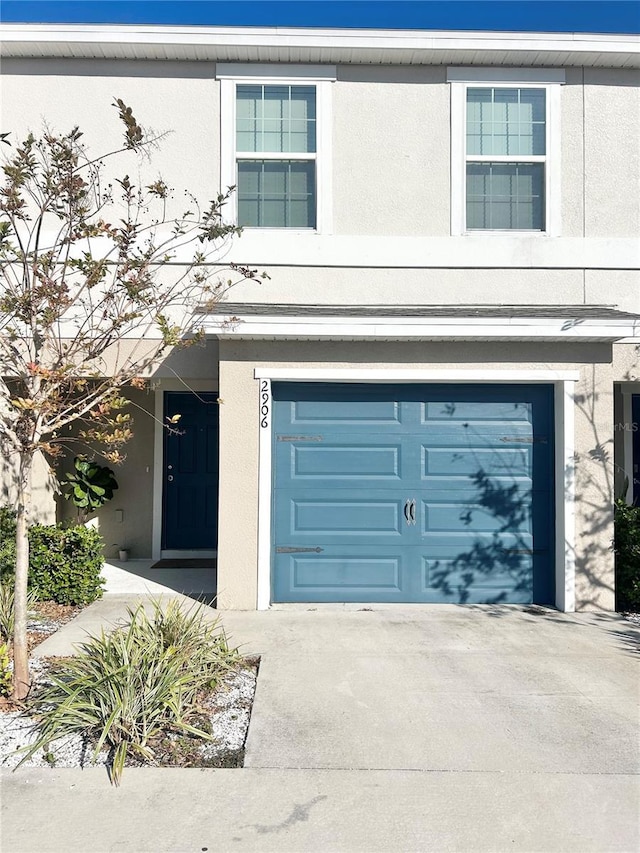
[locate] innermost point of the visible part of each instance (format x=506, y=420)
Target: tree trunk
x=21, y=678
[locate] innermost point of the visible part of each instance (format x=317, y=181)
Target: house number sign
x=265, y=403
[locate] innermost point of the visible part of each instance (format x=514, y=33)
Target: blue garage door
x=413, y=493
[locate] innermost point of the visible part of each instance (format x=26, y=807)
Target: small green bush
x=627, y=551
x=64, y=562
x=142, y=680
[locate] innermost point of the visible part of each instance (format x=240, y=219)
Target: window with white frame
x=505, y=150
x=275, y=144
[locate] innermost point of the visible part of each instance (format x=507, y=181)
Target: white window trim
x=564, y=401
x=321, y=76
x=521, y=78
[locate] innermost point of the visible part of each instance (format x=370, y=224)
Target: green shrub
x=627, y=551
x=65, y=563
x=127, y=687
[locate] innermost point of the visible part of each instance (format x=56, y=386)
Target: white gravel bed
x=230, y=708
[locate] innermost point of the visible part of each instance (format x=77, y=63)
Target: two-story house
x=422, y=404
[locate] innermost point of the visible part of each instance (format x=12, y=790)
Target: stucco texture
x=391, y=147
x=42, y=509
x=178, y=100
x=391, y=136
x=362, y=286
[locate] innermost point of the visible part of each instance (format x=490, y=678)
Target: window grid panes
x=277, y=119
x=504, y=196
x=509, y=124
x=276, y=192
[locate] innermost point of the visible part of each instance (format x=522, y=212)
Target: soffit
x=360, y=47
x=420, y=322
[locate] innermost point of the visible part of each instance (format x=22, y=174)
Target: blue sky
x=604, y=16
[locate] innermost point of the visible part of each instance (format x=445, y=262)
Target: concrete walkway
x=391, y=729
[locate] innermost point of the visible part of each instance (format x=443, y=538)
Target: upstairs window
x=275, y=147
x=505, y=152
x=505, y=159
x=276, y=156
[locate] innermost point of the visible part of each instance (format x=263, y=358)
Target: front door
x=190, y=492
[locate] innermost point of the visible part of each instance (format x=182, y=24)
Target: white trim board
x=285, y=71
x=382, y=375
x=564, y=384
x=355, y=46
x=475, y=74
x=318, y=327
x=284, y=247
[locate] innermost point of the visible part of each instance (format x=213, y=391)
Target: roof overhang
x=312, y=45
x=435, y=324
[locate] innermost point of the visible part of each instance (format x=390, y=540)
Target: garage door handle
x=410, y=511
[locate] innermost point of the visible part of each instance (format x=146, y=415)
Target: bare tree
x=88, y=306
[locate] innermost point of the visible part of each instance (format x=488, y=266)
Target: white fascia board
x=477, y=74
x=267, y=70
x=351, y=41
x=412, y=328
x=298, y=36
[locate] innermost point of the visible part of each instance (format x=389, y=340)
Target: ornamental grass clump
x=142, y=680
x=7, y=609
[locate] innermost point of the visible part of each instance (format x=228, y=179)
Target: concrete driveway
x=391, y=729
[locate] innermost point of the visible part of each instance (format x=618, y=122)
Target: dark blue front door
x=190, y=496
x=425, y=493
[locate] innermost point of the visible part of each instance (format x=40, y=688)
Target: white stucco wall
x=178, y=98
x=43, y=488
x=391, y=147
x=373, y=286
x=611, y=152
x=391, y=137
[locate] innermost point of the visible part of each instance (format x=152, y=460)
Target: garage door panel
x=346, y=412
x=451, y=517
x=446, y=543
x=344, y=517
x=449, y=581
x=347, y=574
x=452, y=409
x=345, y=461
x=473, y=461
